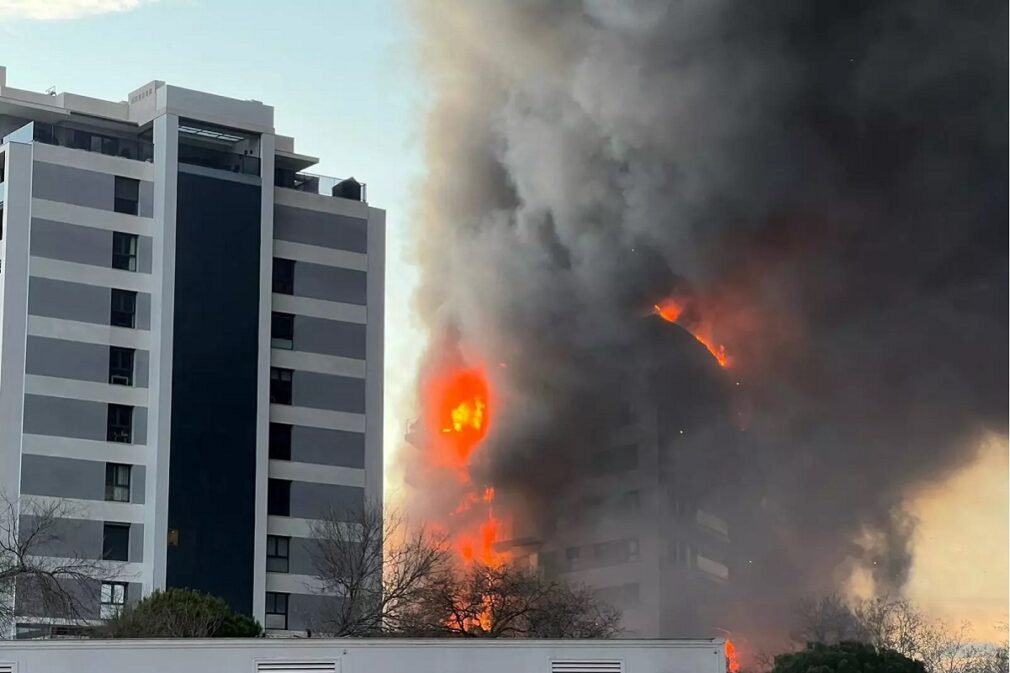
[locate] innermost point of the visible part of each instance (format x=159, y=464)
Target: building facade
x=647, y=520
x=191, y=341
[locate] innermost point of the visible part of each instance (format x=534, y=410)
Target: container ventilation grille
x=295, y=667
x=587, y=666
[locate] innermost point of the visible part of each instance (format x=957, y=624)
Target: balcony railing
x=91, y=141
x=221, y=160
x=322, y=184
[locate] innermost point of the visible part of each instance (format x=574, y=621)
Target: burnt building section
x=648, y=521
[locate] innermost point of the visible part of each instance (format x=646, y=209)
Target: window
x=113, y=599
x=280, y=385
x=124, y=251
x=127, y=195
x=117, y=482
x=120, y=423
x=284, y=276
x=116, y=542
x=279, y=497
x=121, y=366
x=124, y=308
x=277, y=553
x=280, y=441
x=282, y=330
x=277, y=611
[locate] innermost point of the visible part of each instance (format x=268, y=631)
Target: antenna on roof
x=51, y=90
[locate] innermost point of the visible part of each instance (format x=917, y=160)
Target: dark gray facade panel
x=77, y=360
x=86, y=594
x=80, y=302
x=76, y=419
x=326, y=230
x=69, y=301
x=331, y=283
x=327, y=447
x=327, y=391
x=81, y=187
x=330, y=337
x=69, y=537
x=71, y=242
x=145, y=204
x=62, y=477
x=305, y=610
x=311, y=501
x=73, y=185
x=301, y=559
x=136, y=554
x=83, y=245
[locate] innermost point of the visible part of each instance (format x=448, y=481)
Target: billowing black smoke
x=828, y=180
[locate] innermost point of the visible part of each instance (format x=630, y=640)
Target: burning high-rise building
x=815, y=193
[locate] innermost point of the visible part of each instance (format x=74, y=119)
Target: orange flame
x=671, y=309
x=459, y=413
x=732, y=659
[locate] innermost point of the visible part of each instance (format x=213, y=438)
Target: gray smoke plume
x=826, y=180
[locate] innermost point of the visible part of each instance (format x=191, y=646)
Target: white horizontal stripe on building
x=320, y=308
x=317, y=474
x=85, y=390
x=318, y=363
x=94, y=161
x=317, y=418
x=90, y=510
x=86, y=332
x=85, y=449
x=89, y=274
x=290, y=526
x=321, y=202
x=111, y=571
x=289, y=583
x=92, y=217
x=315, y=254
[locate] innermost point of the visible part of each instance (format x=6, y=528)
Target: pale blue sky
x=338, y=73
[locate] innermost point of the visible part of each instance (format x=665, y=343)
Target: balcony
x=348, y=188
x=221, y=160
x=91, y=141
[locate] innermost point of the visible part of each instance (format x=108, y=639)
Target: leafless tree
x=507, y=601
x=897, y=624
x=63, y=588
x=372, y=566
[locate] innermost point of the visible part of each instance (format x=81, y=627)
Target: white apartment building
x=191, y=342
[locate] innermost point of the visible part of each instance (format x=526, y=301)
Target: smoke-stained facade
x=821, y=186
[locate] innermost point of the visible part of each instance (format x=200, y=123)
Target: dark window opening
x=116, y=542
x=280, y=441
x=113, y=599
x=279, y=497
x=124, y=308
x=278, y=552
x=282, y=330
x=284, y=276
x=121, y=366
x=281, y=385
x=124, y=251
x=276, y=611
x=117, y=482
x=127, y=195
x=120, y=423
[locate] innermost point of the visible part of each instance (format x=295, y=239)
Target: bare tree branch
x=32, y=582
x=372, y=566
